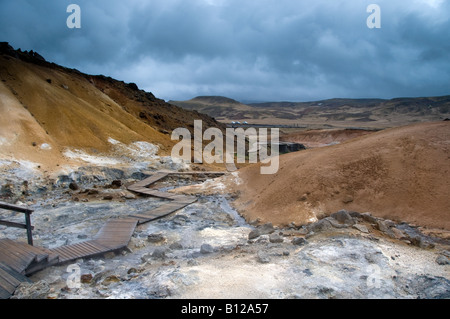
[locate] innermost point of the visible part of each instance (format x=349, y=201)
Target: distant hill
x=42, y=103
x=219, y=107
x=378, y=113
x=218, y=100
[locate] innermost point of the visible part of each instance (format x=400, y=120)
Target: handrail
x=27, y=224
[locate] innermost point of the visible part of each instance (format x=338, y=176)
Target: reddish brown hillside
x=46, y=109
x=401, y=174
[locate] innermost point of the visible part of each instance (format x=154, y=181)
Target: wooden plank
x=27, y=249
x=138, y=189
x=155, y=177
x=12, y=224
x=21, y=249
x=63, y=255
x=15, y=274
x=9, y=281
x=68, y=251
x=151, y=180
x=7, y=278
x=5, y=284
x=145, y=218
x=4, y=294
x=121, y=230
x=15, y=258
x=158, y=194
x=80, y=250
x=76, y=251
x=15, y=208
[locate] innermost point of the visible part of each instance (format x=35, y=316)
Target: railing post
x=29, y=233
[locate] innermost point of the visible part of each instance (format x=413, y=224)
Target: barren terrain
x=400, y=174
x=361, y=214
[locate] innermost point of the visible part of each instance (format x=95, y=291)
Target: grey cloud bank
x=248, y=50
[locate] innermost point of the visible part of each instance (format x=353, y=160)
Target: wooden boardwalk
x=10, y=280
x=18, y=259
x=114, y=235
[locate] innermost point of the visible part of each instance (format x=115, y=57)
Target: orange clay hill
x=402, y=174
x=42, y=103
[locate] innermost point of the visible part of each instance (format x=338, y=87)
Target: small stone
x=180, y=220
x=398, y=234
x=321, y=225
x=128, y=195
x=116, y=184
x=176, y=246
x=263, y=239
x=347, y=199
x=343, y=217
x=110, y=255
x=361, y=228
x=442, y=260
x=389, y=223
x=110, y=280
x=292, y=225
x=355, y=214
x=206, y=249
x=299, y=241
x=262, y=257
x=132, y=271
x=382, y=226
x=86, y=278
x=108, y=197
x=159, y=253
x=254, y=222
x=74, y=186
x=82, y=236
x=422, y=243
x=286, y=253
x=255, y=233
x=266, y=229
x=146, y=257
x=155, y=238
x=307, y=272
x=302, y=231
x=192, y=262
x=369, y=218
x=275, y=238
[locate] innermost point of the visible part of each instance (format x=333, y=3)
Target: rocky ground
x=208, y=251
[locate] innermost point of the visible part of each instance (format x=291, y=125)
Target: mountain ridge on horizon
x=207, y=98
x=336, y=111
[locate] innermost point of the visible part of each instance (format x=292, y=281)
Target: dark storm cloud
x=260, y=50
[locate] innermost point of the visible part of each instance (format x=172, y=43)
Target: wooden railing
x=27, y=224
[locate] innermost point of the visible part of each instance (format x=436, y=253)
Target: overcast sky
x=262, y=50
